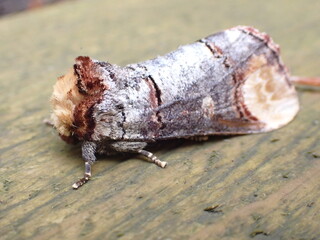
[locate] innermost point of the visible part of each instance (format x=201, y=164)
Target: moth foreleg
x=152, y=158
x=88, y=155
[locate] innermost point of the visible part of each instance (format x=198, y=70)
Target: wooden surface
x=262, y=186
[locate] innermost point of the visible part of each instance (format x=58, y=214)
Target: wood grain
x=266, y=185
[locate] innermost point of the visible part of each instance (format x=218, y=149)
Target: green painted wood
x=265, y=185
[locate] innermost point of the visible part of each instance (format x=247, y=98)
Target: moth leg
x=152, y=158
x=88, y=155
x=137, y=147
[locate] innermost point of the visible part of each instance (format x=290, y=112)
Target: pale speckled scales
x=186, y=79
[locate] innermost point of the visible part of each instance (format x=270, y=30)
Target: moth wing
x=260, y=98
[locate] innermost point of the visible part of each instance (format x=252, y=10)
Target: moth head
x=64, y=99
x=74, y=96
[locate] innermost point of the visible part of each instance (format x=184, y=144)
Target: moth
x=232, y=82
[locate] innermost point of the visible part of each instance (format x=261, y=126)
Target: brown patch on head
x=73, y=99
x=91, y=85
x=89, y=80
x=84, y=121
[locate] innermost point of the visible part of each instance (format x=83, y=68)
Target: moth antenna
x=86, y=178
x=306, y=81
x=152, y=158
